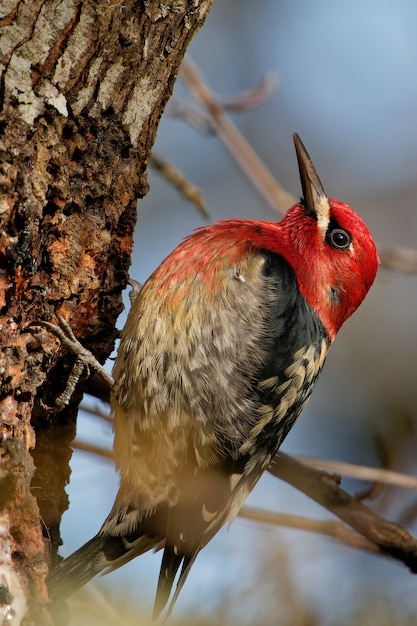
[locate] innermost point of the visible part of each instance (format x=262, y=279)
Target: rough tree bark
x=82, y=88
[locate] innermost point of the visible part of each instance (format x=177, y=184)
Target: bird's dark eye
x=339, y=239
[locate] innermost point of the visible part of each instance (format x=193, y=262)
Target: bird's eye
x=339, y=239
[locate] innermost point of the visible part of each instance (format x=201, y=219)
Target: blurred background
x=347, y=85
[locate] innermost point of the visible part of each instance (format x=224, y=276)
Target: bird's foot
x=85, y=360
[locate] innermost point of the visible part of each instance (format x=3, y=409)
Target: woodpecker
x=219, y=355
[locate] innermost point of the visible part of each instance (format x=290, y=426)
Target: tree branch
x=372, y=474
x=389, y=537
x=242, y=152
x=331, y=528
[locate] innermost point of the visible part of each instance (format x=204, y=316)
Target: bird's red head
x=329, y=247
x=335, y=260
x=326, y=243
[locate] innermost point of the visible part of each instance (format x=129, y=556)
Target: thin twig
x=97, y=412
x=398, y=258
x=104, y=453
x=193, y=113
x=371, y=474
x=331, y=528
x=242, y=152
x=197, y=116
x=187, y=189
x=250, y=98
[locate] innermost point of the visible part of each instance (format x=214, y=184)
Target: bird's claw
x=85, y=360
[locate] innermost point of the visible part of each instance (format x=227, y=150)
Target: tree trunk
x=82, y=88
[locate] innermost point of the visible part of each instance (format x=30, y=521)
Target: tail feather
x=77, y=569
x=169, y=567
x=185, y=570
x=171, y=562
x=208, y=499
x=102, y=554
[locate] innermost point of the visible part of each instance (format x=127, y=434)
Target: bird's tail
x=102, y=554
x=171, y=562
x=88, y=561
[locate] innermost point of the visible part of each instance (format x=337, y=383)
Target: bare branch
x=198, y=117
x=398, y=258
x=189, y=191
x=331, y=528
x=262, y=179
x=251, y=98
x=97, y=412
x=372, y=474
x=391, y=538
x=92, y=449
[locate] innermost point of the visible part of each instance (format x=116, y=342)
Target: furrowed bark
x=82, y=89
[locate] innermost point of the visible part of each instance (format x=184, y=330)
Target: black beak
x=316, y=203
